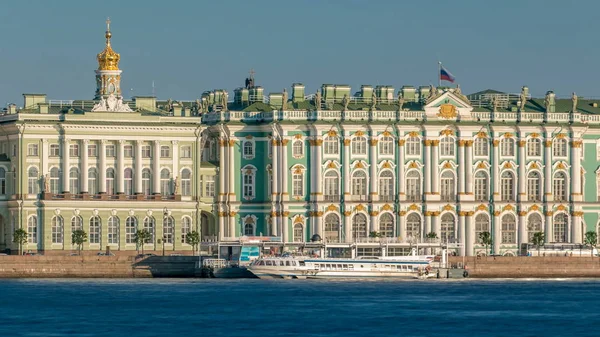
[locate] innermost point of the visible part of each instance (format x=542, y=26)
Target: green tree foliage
x=193, y=239
x=142, y=237
x=485, y=238
x=20, y=238
x=78, y=237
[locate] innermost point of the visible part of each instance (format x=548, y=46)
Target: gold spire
x=108, y=59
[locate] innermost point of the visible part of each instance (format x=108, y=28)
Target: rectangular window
x=54, y=150
x=146, y=151
x=248, y=185
x=92, y=150
x=297, y=185
x=165, y=151
x=209, y=186
x=128, y=151
x=32, y=150
x=110, y=150
x=74, y=150
x=14, y=150
x=186, y=152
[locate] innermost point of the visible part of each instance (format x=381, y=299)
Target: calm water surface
x=171, y=307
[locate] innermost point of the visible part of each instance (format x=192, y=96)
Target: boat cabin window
x=345, y=267
x=301, y=263
x=339, y=266
x=269, y=263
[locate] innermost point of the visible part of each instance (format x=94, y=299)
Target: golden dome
x=108, y=59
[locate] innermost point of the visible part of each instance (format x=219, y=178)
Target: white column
x=549, y=228
x=102, y=173
x=435, y=224
x=276, y=168
x=231, y=165
x=284, y=226
x=497, y=235
x=138, y=167
x=232, y=229
x=435, y=172
x=400, y=180
x=428, y=166
x=470, y=234
x=273, y=224
x=428, y=228
x=285, y=171
x=156, y=167
x=462, y=237
x=65, y=165
x=222, y=217
x=373, y=169
x=318, y=169
x=45, y=155
x=311, y=175
x=468, y=167
x=576, y=187
x=84, y=166
x=576, y=230
x=175, y=156
x=522, y=174
x=222, y=171
x=348, y=227
x=496, y=169
x=346, y=166
x=461, y=168
x=121, y=167
x=374, y=223
x=318, y=224
x=548, y=168
x=522, y=228
x=401, y=225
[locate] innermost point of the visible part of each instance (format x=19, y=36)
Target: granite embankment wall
x=96, y=266
x=529, y=267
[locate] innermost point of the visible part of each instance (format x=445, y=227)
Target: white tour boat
x=410, y=267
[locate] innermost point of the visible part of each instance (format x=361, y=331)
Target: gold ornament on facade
x=413, y=134
x=360, y=207
x=447, y=111
x=448, y=208
x=231, y=142
x=496, y=142
x=274, y=142
x=508, y=135
x=435, y=142
x=470, y=213
x=386, y=134
x=496, y=213
x=108, y=59
x=319, y=142
x=386, y=164
x=468, y=143
x=222, y=142
x=413, y=164
x=447, y=165
x=248, y=137
x=373, y=213
x=359, y=165
x=508, y=208
x=232, y=214
x=481, y=207
x=359, y=133
x=561, y=136
x=273, y=214
x=481, y=165
x=331, y=208
x=285, y=213
x=402, y=213
x=534, y=208
x=534, y=166
x=548, y=213
x=298, y=136
x=298, y=169
x=319, y=213
x=548, y=143
x=428, y=213
x=447, y=132
x=222, y=214
x=576, y=143
x=561, y=208
x=347, y=142
x=427, y=142
x=413, y=207
x=577, y=213
x=522, y=143
x=373, y=142
x=461, y=143
x=435, y=213
x=348, y=213
x=332, y=133
x=331, y=165
x=284, y=142
x=507, y=165
x=534, y=135
x=401, y=142
x=522, y=213
x=560, y=166
x=481, y=134
x=387, y=207
x=298, y=218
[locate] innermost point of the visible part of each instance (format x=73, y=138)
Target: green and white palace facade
x=396, y=163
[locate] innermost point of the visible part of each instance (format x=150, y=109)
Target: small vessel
x=407, y=267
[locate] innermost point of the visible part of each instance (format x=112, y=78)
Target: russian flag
x=446, y=75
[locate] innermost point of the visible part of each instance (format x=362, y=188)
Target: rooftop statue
x=547, y=102
x=198, y=106
x=318, y=100
x=284, y=100
x=223, y=101
x=169, y=105
x=523, y=99
x=494, y=103
x=112, y=104
x=457, y=90
x=345, y=102
x=373, y=101
x=400, y=102
x=574, y=99
x=432, y=92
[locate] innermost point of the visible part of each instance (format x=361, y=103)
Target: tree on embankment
x=591, y=239
x=193, y=239
x=142, y=237
x=20, y=238
x=78, y=237
x=485, y=238
x=538, y=240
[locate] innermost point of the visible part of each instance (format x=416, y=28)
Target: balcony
x=386, y=198
x=332, y=197
x=111, y=197
x=359, y=198
x=448, y=197
x=414, y=197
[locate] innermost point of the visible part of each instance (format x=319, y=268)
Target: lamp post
x=165, y=215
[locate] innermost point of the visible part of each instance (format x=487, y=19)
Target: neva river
x=200, y=307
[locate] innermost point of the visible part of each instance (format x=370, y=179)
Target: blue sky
x=187, y=47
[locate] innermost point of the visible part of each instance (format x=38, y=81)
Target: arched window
x=130, y=230
x=186, y=182
x=128, y=179
x=3, y=181
x=248, y=149
x=559, y=147
x=149, y=226
x=507, y=187
x=386, y=225
x=481, y=147
x=359, y=226
x=359, y=145
x=413, y=226
x=186, y=228
x=297, y=183
x=249, y=227
x=33, y=186
x=559, y=186
x=509, y=229
x=92, y=181
x=534, y=147
x=298, y=233
x=95, y=230
x=447, y=146
x=448, y=228
x=447, y=186
x=386, y=186
x=57, y=229
x=534, y=186
x=507, y=147
x=332, y=186
x=165, y=182
x=55, y=176
x=413, y=146
x=32, y=229
x=331, y=145
x=482, y=225
x=146, y=182
x=534, y=225
x=413, y=185
x=560, y=227
x=168, y=229
x=74, y=180
x=359, y=185
x=332, y=227
x=298, y=149
x=110, y=181
x=481, y=186
x=113, y=230
x=386, y=146
x=76, y=223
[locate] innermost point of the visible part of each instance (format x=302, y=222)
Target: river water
x=209, y=307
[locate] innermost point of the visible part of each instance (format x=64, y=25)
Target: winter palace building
x=335, y=163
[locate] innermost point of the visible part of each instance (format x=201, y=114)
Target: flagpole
x=439, y=75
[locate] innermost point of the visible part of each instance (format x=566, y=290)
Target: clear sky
x=187, y=47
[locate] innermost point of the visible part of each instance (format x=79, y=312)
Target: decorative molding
x=482, y=207
x=373, y=213
x=413, y=207
x=447, y=132
x=373, y=142
x=360, y=207
x=448, y=207
x=413, y=134
x=496, y=142
x=481, y=134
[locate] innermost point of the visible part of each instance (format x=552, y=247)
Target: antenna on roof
x=153, y=90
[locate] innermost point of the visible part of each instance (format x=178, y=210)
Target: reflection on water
x=162, y=307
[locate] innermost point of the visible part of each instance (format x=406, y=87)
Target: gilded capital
x=522, y=143
x=496, y=213
x=576, y=143
x=401, y=142
x=284, y=142
x=496, y=142
x=468, y=143
x=470, y=213
x=347, y=142
x=461, y=143
x=435, y=142
x=232, y=214
x=402, y=213
x=373, y=142
x=548, y=213
x=318, y=142
x=427, y=142
x=231, y=142
x=347, y=213
x=373, y=213
x=462, y=213
x=522, y=213
x=548, y=143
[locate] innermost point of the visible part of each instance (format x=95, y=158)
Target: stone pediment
x=448, y=106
